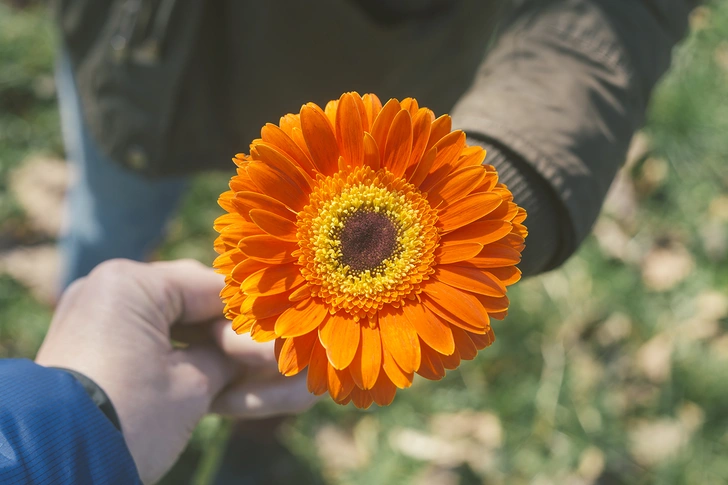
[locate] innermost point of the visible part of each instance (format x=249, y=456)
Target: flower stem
x=213, y=453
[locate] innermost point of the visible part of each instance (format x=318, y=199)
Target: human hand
x=114, y=327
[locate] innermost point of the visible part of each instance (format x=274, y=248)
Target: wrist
x=546, y=242
x=97, y=395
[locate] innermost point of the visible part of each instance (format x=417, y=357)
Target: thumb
x=191, y=290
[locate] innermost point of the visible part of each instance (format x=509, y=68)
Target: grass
x=602, y=373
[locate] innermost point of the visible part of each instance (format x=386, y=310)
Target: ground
x=611, y=370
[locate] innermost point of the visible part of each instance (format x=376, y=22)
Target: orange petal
x=359, y=102
x=371, y=152
x=381, y=125
x=247, y=201
x=242, y=182
x=300, y=293
x=455, y=306
x=410, y=104
x=344, y=401
x=339, y=335
x=270, y=133
x=260, y=307
x=471, y=156
x=342, y=164
x=241, y=324
x=296, y=354
x=289, y=122
x=494, y=256
x=262, y=330
x=245, y=268
x=226, y=220
x=233, y=303
x=520, y=216
x=451, y=361
x=225, y=199
x=395, y=373
x=453, y=252
x=273, y=279
x=514, y=241
x=340, y=383
x=467, y=210
x=520, y=229
x=399, y=144
x=430, y=328
x=330, y=110
x=431, y=365
x=488, y=183
x=229, y=291
x=274, y=184
x=465, y=345
x=305, y=316
x=503, y=191
x=384, y=390
x=274, y=225
x=449, y=149
x=507, y=276
x=440, y=127
x=420, y=171
x=505, y=211
x=483, y=232
x=277, y=159
x=233, y=233
x=470, y=279
x=221, y=247
x=421, y=124
x=399, y=338
x=320, y=139
x=267, y=249
x=455, y=186
x=367, y=362
x=498, y=315
x=361, y=399
x=373, y=106
x=482, y=341
x=317, y=379
x=349, y=131
x=300, y=141
x=493, y=305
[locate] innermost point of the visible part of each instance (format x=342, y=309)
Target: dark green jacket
x=173, y=87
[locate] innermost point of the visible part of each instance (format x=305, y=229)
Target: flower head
x=370, y=242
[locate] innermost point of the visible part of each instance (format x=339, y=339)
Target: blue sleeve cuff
x=51, y=432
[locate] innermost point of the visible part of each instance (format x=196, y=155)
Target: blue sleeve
x=51, y=432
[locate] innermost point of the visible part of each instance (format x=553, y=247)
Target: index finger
x=191, y=290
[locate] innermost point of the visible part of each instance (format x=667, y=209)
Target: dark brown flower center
x=367, y=239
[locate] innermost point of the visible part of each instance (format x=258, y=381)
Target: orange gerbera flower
x=370, y=242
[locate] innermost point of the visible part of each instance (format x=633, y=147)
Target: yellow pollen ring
x=335, y=200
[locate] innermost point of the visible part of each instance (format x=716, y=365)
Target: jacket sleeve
x=51, y=432
x=564, y=88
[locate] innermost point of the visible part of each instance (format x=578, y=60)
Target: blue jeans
x=110, y=211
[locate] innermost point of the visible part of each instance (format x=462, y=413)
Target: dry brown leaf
x=653, y=442
x=36, y=268
x=614, y=329
x=338, y=450
x=654, y=357
x=664, y=267
x=591, y=463
x=39, y=185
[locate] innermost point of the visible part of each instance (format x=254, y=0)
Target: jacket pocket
x=141, y=30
